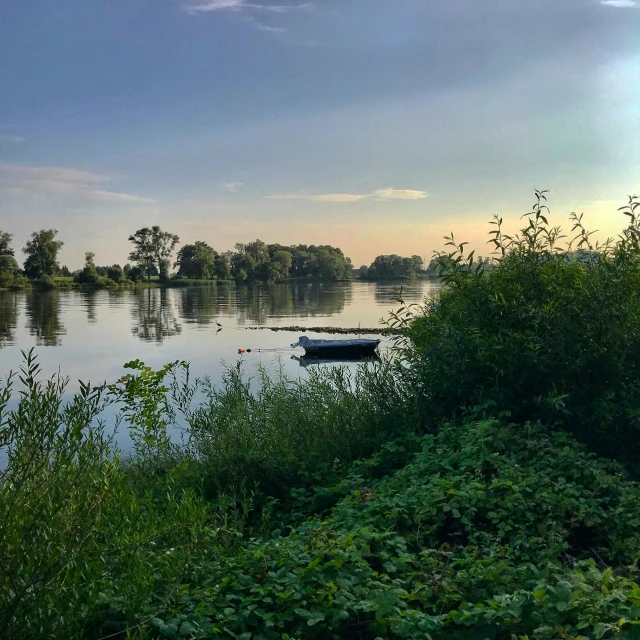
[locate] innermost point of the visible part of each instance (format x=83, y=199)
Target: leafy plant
x=547, y=332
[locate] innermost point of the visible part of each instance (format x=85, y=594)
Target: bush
x=544, y=334
x=491, y=531
x=116, y=274
x=79, y=540
x=47, y=283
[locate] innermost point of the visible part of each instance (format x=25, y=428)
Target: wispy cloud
x=620, y=4
x=380, y=194
x=265, y=27
x=233, y=187
x=113, y=196
x=11, y=139
x=216, y=5
x=23, y=179
x=241, y=5
x=399, y=194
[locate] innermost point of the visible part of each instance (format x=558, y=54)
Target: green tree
x=242, y=265
x=394, y=267
x=280, y=265
x=116, y=273
x=42, y=254
x=5, y=244
x=89, y=274
x=223, y=266
x=8, y=271
x=197, y=261
x=153, y=248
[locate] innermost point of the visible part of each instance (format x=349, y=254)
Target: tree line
x=395, y=267
x=151, y=257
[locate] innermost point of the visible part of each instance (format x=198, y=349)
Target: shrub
x=545, y=333
x=491, y=531
x=80, y=542
x=47, y=283
x=116, y=274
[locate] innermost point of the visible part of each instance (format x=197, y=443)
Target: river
x=90, y=335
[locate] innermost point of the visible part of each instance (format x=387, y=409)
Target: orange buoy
x=240, y=351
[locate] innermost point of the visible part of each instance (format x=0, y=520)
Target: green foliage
x=152, y=249
x=276, y=433
x=92, y=276
x=5, y=244
x=393, y=267
x=269, y=521
x=42, y=255
x=144, y=404
x=10, y=277
x=546, y=333
x=116, y=274
x=196, y=261
x=83, y=541
x=274, y=262
x=512, y=533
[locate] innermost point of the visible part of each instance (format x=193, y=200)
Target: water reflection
x=309, y=361
x=257, y=304
x=411, y=291
x=91, y=305
x=153, y=315
x=8, y=317
x=203, y=305
x=43, y=318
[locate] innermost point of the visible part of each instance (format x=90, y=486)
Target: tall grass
x=290, y=432
x=88, y=539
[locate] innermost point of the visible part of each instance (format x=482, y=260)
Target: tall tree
x=5, y=244
x=196, y=261
x=42, y=254
x=153, y=248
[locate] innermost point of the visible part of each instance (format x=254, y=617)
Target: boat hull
x=347, y=351
x=336, y=349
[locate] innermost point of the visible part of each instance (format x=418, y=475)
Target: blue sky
x=374, y=125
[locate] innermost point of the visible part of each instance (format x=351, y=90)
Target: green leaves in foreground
x=489, y=531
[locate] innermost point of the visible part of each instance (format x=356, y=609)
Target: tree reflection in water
x=43, y=318
x=90, y=304
x=203, y=305
x=413, y=291
x=8, y=318
x=257, y=304
x=153, y=315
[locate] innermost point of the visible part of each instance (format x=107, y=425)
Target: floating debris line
x=335, y=330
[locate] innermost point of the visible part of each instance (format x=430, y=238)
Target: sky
x=377, y=126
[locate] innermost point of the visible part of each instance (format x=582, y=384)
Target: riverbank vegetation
x=481, y=483
x=395, y=268
x=150, y=263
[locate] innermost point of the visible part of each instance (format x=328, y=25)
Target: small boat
x=336, y=349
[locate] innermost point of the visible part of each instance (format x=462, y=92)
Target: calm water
x=90, y=335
